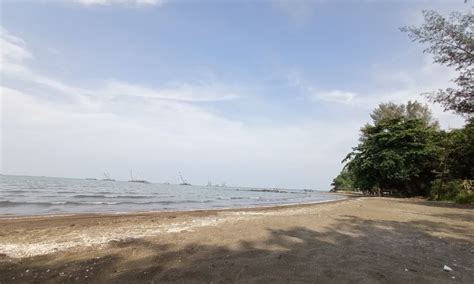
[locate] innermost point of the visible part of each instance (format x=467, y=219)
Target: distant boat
x=132, y=179
x=90, y=178
x=107, y=177
x=183, y=180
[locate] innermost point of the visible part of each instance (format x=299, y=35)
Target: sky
x=267, y=93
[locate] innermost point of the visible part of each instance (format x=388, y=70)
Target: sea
x=27, y=195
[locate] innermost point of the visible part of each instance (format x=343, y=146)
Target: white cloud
x=178, y=91
x=392, y=84
x=13, y=53
x=12, y=48
x=337, y=96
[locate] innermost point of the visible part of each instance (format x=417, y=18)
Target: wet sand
x=369, y=240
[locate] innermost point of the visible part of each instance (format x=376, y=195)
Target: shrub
x=459, y=191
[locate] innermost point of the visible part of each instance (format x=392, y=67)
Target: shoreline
x=188, y=220
x=106, y=214
x=380, y=239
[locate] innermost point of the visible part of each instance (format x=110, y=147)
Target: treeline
x=404, y=152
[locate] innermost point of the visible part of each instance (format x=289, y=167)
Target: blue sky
x=255, y=93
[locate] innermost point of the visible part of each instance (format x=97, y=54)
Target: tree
x=460, y=153
x=405, y=151
x=343, y=181
x=395, y=154
x=451, y=42
x=412, y=110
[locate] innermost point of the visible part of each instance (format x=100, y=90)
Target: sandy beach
x=369, y=240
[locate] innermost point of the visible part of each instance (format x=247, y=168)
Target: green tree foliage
x=395, y=154
x=412, y=110
x=460, y=152
x=456, y=169
x=451, y=41
x=403, y=151
x=343, y=181
x=460, y=191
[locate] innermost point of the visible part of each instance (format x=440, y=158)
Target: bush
x=459, y=191
x=465, y=198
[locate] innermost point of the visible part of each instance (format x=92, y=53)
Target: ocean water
x=25, y=195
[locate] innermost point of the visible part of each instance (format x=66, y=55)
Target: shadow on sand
x=351, y=250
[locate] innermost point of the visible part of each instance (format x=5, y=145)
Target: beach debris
x=447, y=268
x=27, y=270
x=406, y=269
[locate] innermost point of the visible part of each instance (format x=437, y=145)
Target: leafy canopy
x=460, y=152
x=412, y=110
x=343, y=181
x=396, y=154
x=397, y=151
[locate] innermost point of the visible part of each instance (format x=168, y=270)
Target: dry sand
x=369, y=240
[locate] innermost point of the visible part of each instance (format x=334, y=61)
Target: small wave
x=13, y=204
x=167, y=202
x=48, y=204
x=19, y=191
x=164, y=202
x=89, y=203
x=89, y=196
x=131, y=196
x=111, y=196
x=13, y=195
x=229, y=198
x=269, y=190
